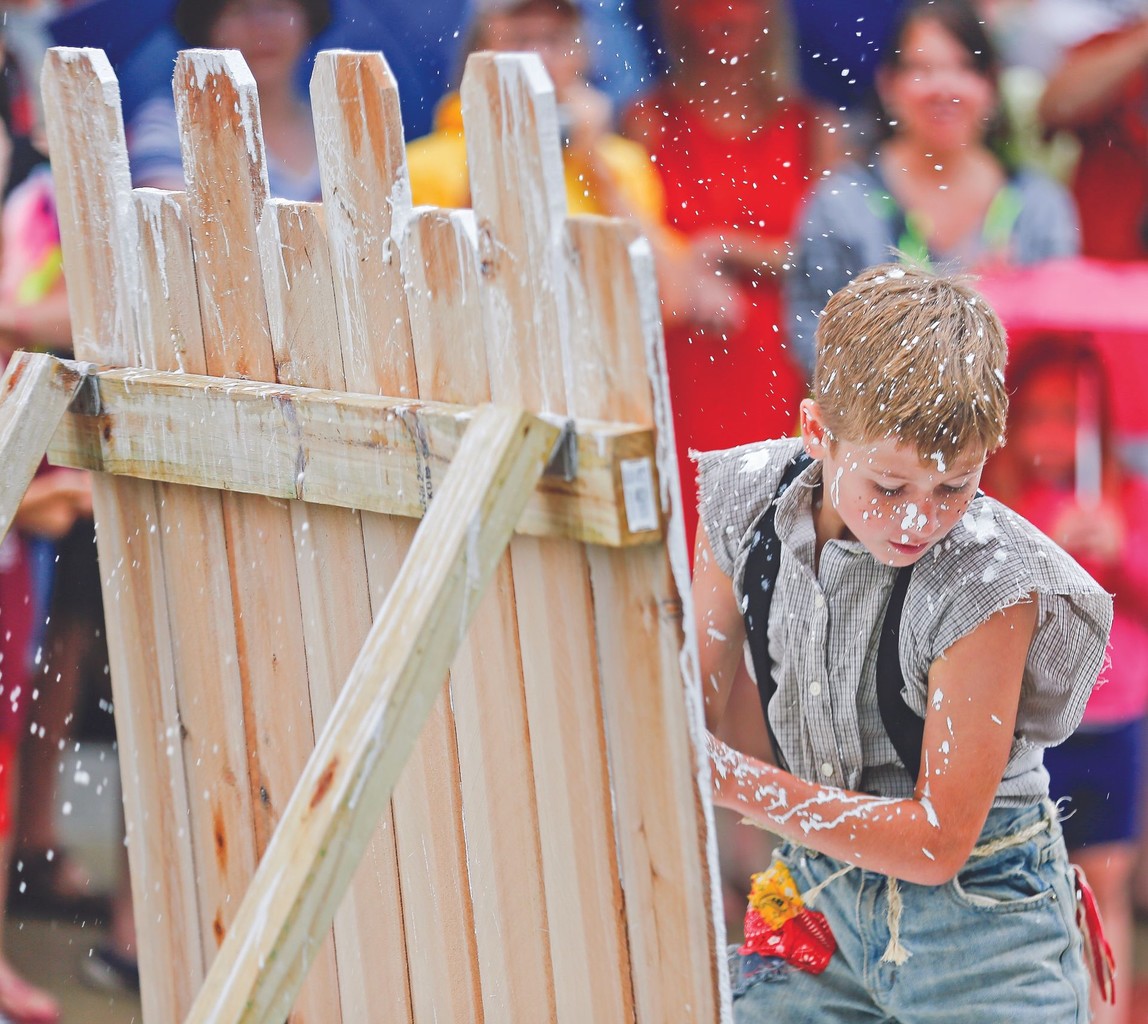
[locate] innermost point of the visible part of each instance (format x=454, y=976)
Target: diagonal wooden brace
x=372, y=729
x=35, y=393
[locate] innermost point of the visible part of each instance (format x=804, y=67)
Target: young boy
x=942, y=890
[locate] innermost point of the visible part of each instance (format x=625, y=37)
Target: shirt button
x=818, y=602
x=827, y=769
x=815, y=688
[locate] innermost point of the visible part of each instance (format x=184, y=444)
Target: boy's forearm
x=902, y=838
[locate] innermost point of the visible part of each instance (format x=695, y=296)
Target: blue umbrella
x=116, y=26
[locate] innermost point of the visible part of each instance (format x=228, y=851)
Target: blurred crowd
x=770, y=150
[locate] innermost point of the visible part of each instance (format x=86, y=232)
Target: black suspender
x=761, y=566
x=905, y=728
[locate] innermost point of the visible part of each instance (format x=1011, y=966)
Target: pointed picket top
x=367, y=198
x=93, y=192
x=216, y=98
x=300, y=297
x=518, y=190
x=440, y=257
x=221, y=137
x=171, y=337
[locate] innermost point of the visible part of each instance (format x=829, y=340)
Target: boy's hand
x=53, y=502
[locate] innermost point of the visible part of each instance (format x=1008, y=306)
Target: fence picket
x=519, y=203
x=334, y=591
x=207, y=691
x=224, y=164
x=99, y=241
x=367, y=198
x=500, y=813
x=653, y=757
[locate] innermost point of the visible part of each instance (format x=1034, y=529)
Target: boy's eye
x=891, y=492
x=955, y=489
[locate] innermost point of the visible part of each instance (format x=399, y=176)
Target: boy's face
x=884, y=495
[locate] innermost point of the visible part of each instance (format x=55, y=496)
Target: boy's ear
x=814, y=434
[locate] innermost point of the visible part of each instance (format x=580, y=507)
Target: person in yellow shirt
x=605, y=173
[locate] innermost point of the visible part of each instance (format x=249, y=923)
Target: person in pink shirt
x=1061, y=472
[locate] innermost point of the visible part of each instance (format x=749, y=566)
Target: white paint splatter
x=981, y=524
x=755, y=461
x=835, y=487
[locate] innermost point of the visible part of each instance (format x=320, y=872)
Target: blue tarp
x=419, y=40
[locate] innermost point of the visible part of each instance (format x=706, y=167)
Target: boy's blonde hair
x=907, y=354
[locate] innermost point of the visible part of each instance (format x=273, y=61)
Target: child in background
x=908, y=780
x=603, y=173
x=1061, y=472
x=53, y=502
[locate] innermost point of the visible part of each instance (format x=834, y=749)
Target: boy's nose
x=919, y=520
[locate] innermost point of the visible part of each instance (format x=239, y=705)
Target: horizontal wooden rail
x=332, y=448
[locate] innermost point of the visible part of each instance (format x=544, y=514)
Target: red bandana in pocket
x=777, y=923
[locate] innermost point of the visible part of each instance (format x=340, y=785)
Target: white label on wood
x=638, y=494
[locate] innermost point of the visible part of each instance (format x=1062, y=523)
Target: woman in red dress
x=737, y=149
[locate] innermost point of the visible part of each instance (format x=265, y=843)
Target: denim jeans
x=997, y=944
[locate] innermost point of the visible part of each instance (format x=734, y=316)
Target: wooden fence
x=267, y=414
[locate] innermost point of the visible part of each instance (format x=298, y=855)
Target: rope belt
x=895, y=952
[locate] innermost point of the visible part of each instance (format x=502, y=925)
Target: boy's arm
x=719, y=628
x=974, y=690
